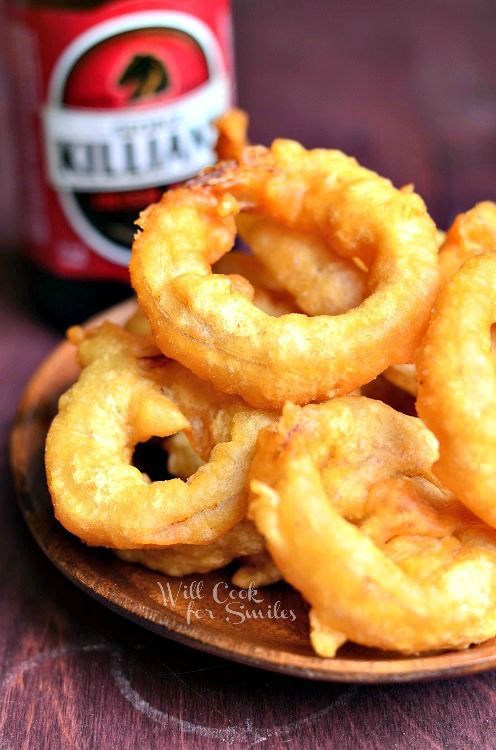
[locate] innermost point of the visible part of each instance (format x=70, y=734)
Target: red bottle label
x=117, y=104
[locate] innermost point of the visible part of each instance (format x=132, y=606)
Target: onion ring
x=200, y=319
x=457, y=384
x=355, y=520
x=136, y=394
x=242, y=541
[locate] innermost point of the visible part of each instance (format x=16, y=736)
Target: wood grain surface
x=410, y=88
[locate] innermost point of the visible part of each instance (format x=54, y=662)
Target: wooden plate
x=202, y=616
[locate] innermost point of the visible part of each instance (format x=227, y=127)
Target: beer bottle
x=115, y=103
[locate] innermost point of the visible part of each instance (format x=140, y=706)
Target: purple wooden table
x=410, y=89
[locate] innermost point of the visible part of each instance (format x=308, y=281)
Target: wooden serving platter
x=206, y=612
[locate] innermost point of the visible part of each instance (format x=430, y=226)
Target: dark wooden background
x=410, y=88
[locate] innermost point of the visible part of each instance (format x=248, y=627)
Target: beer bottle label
x=117, y=104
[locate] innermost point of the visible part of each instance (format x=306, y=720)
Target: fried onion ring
x=457, y=384
x=203, y=321
x=136, y=394
x=356, y=521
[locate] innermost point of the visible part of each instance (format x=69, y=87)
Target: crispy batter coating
x=243, y=542
x=405, y=376
x=241, y=268
x=261, y=288
x=472, y=233
x=320, y=281
x=457, y=384
x=128, y=393
x=354, y=518
x=256, y=569
x=203, y=321
x=232, y=134
x=184, y=559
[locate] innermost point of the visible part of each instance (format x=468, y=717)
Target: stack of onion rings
x=242, y=365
